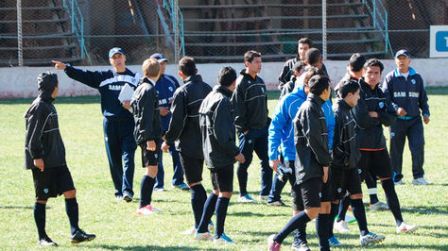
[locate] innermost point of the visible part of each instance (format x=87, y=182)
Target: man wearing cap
x=118, y=123
x=45, y=156
x=405, y=88
x=165, y=87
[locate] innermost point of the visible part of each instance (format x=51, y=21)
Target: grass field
x=118, y=227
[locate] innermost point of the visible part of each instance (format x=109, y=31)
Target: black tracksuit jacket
x=43, y=139
x=370, y=133
x=184, y=124
x=217, y=128
x=310, y=138
x=251, y=103
x=145, y=104
x=346, y=152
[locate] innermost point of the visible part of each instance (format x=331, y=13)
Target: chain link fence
x=82, y=31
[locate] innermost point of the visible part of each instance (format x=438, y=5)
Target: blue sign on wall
x=442, y=41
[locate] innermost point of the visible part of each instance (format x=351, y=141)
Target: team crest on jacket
x=170, y=88
x=413, y=81
x=381, y=105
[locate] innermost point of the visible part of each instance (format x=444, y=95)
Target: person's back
x=185, y=115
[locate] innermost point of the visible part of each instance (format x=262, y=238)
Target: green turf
x=118, y=227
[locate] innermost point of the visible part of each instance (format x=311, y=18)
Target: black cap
x=159, y=57
x=47, y=81
x=403, y=52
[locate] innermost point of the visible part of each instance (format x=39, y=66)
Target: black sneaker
x=81, y=236
x=47, y=242
x=127, y=197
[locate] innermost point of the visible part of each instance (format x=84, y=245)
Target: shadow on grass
x=16, y=207
x=148, y=247
x=59, y=100
x=426, y=210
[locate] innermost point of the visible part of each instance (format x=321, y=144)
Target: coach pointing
x=118, y=123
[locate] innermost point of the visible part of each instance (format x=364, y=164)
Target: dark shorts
x=192, y=168
x=150, y=158
x=222, y=178
x=313, y=192
x=343, y=180
x=376, y=163
x=52, y=182
x=297, y=202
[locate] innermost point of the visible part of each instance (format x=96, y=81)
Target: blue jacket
x=109, y=84
x=408, y=93
x=165, y=87
x=281, y=130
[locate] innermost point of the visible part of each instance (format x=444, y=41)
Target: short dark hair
x=227, y=75
x=310, y=72
x=298, y=66
x=348, y=86
x=250, y=55
x=356, y=62
x=305, y=40
x=187, y=66
x=313, y=56
x=374, y=62
x=318, y=84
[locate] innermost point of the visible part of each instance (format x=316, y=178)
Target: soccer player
x=344, y=174
x=220, y=152
x=372, y=112
x=166, y=85
x=252, y=121
x=118, y=123
x=147, y=132
x=405, y=88
x=281, y=134
x=287, y=88
x=45, y=156
x=313, y=159
x=184, y=129
x=303, y=45
x=354, y=72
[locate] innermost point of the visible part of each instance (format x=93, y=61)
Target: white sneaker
x=405, y=228
x=203, y=236
x=341, y=227
x=379, y=206
x=420, y=182
x=399, y=183
x=246, y=199
x=371, y=238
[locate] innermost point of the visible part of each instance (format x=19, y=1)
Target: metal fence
x=32, y=32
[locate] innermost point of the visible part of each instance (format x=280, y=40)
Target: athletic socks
x=39, y=218
x=198, y=197
x=209, y=207
x=372, y=190
x=392, y=200
x=333, y=213
x=242, y=180
x=360, y=215
x=221, y=213
x=298, y=221
x=71, y=208
x=146, y=188
x=343, y=208
x=322, y=223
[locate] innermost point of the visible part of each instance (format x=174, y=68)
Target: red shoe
x=147, y=210
x=273, y=245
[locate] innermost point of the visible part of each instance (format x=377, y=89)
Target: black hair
x=313, y=56
x=227, y=75
x=356, y=62
x=187, y=66
x=305, y=40
x=250, y=55
x=318, y=84
x=374, y=62
x=348, y=86
x=298, y=66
